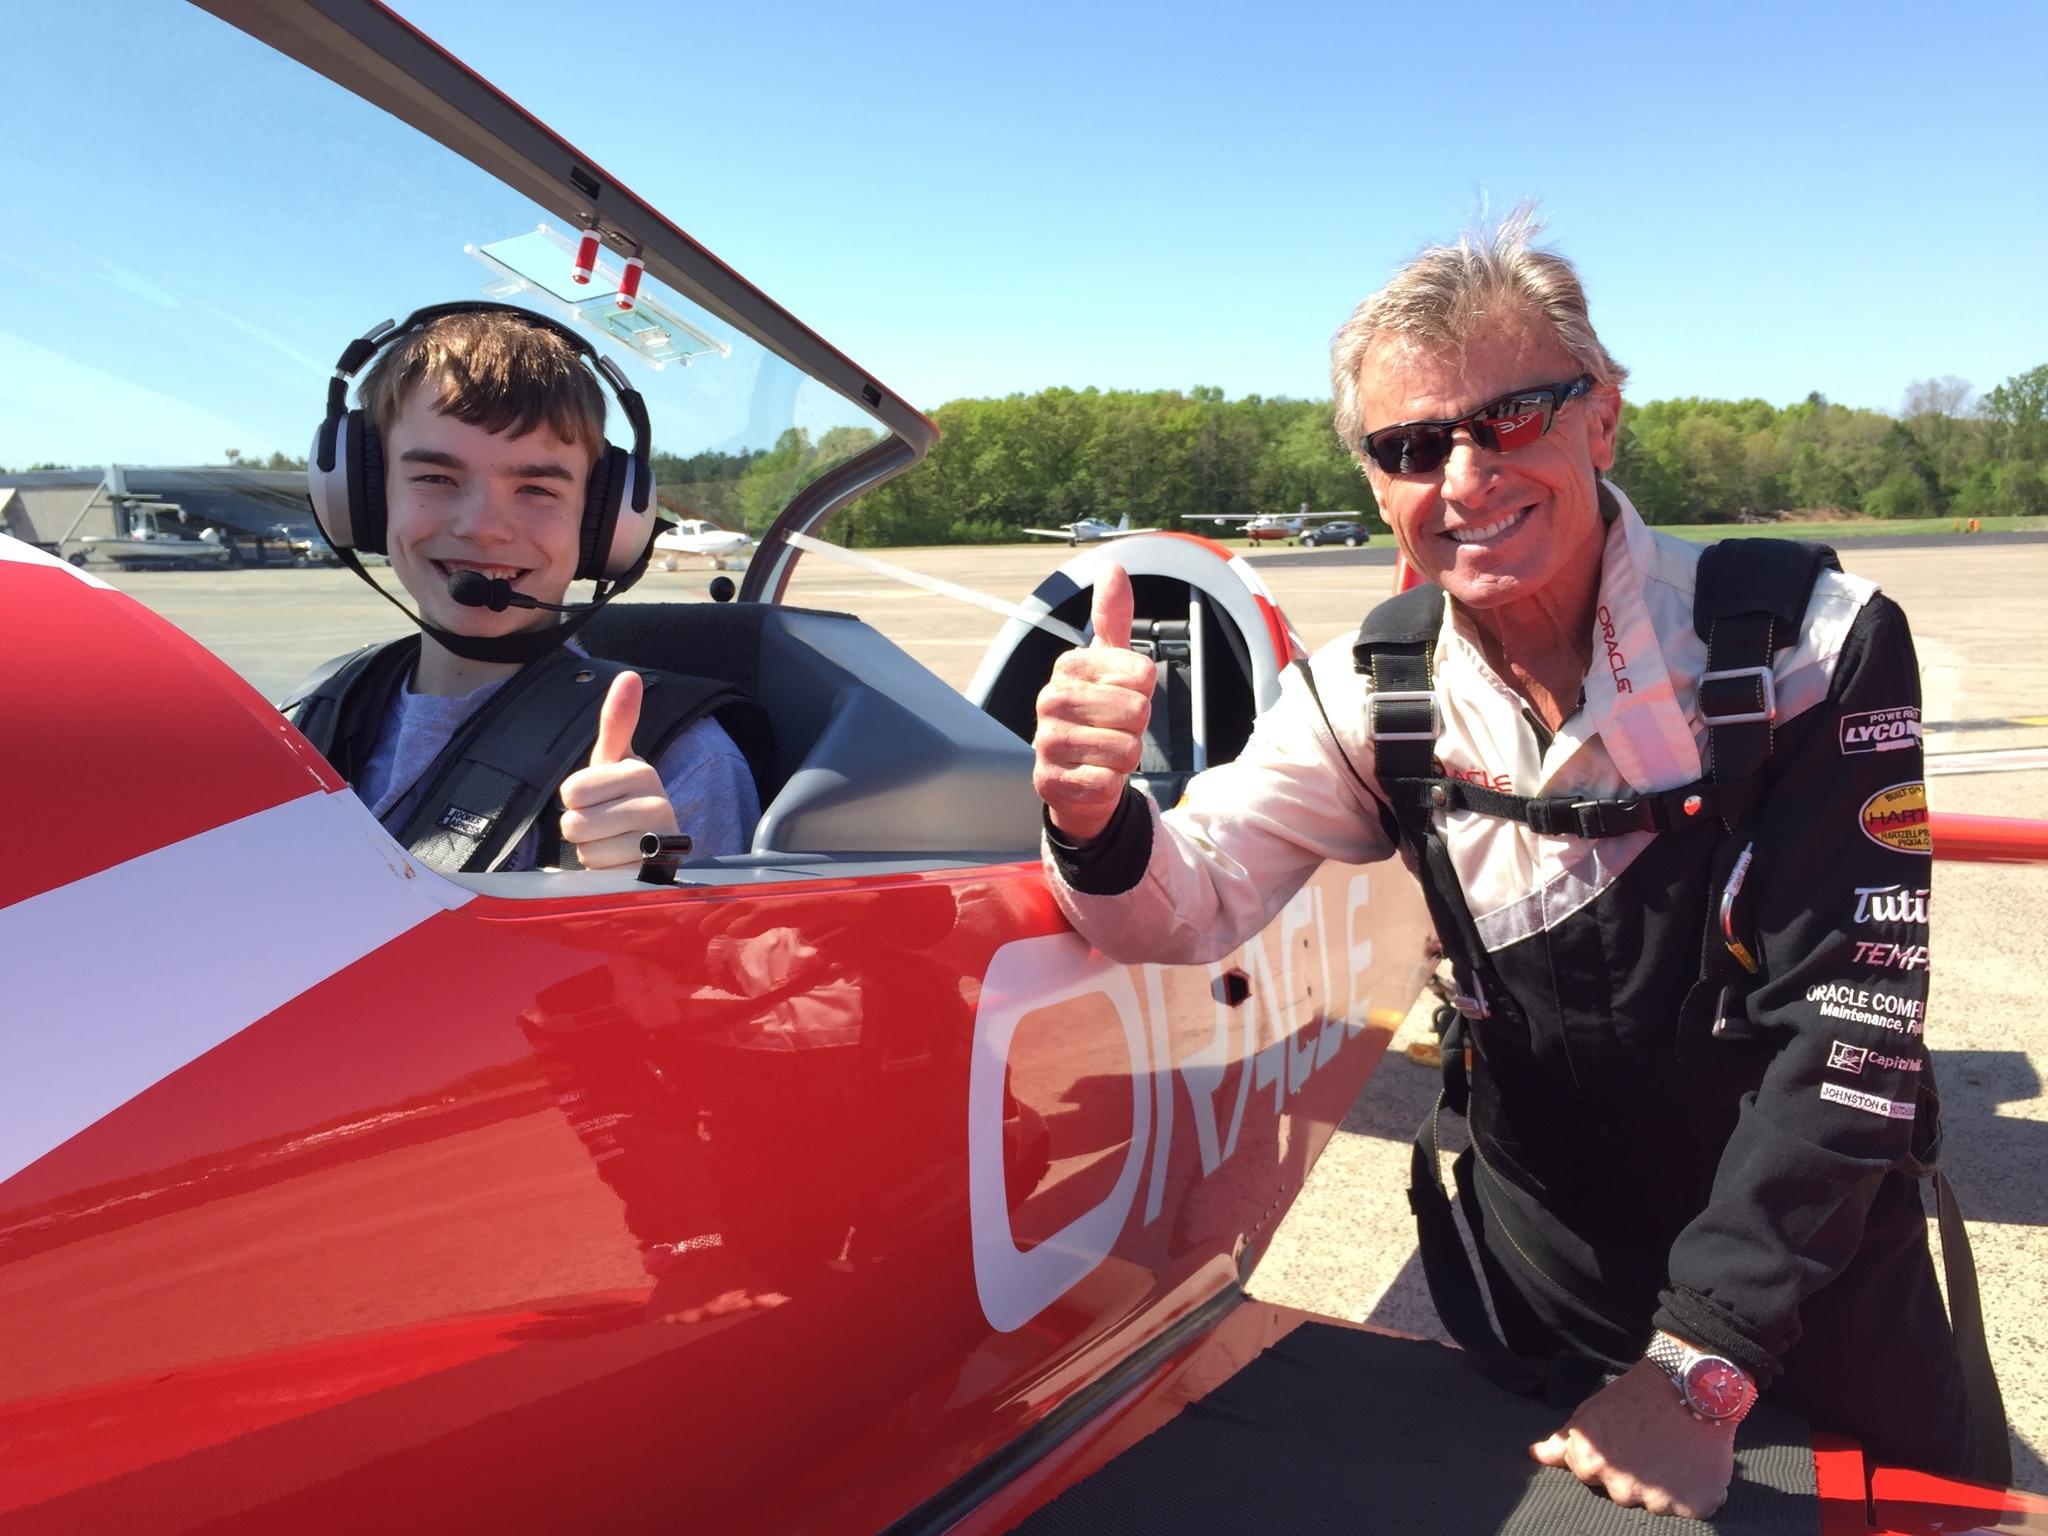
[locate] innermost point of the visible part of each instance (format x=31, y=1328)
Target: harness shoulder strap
x=1749, y=597
x=328, y=678
x=341, y=703
x=1396, y=648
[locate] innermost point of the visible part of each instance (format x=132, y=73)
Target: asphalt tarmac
x=1347, y=1248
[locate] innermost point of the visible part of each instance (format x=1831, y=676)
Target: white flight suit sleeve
x=1191, y=885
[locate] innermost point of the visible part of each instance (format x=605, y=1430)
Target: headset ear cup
x=366, y=483
x=636, y=520
x=327, y=484
x=609, y=479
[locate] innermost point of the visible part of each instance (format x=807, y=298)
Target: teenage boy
x=478, y=464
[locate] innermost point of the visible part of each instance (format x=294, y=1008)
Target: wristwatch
x=1715, y=1390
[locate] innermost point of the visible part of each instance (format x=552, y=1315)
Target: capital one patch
x=1881, y=730
x=1897, y=818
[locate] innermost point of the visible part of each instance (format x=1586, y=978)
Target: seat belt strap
x=498, y=773
x=500, y=770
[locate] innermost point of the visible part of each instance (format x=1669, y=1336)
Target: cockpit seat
x=870, y=752
x=1192, y=612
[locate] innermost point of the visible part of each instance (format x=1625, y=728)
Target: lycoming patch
x=1897, y=818
x=1881, y=730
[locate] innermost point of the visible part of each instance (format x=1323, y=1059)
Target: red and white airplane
x=837, y=1187
x=1262, y=527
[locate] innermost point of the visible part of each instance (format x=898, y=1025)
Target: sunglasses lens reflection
x=1500, y=426
x=1515, y=428
x=1412, y=450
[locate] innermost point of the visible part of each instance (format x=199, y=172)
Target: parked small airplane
x=1261, y=526
x=1088, y=530
x=695, y=536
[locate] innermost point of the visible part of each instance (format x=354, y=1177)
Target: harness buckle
x=1472, y=1007
x=1769, y=688
x=1406, y=696
x=1592, y=815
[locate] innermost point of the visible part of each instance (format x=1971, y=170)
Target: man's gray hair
x=1447, y=294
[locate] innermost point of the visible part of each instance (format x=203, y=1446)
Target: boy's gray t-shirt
x=704, y=773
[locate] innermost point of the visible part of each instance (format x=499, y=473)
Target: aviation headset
x=345, y=471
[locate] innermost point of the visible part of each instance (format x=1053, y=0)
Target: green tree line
x=1170, y=458
x=1944, y=454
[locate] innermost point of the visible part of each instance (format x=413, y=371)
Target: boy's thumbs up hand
x=618, y=797
x=617, y=718
x=1092, y=718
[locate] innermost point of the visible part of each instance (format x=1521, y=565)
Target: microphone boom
x=473, y=589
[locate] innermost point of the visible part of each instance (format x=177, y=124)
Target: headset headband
x=358, y=353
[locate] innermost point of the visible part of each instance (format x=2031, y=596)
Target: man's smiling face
x=461, y=498
x=1492, y=528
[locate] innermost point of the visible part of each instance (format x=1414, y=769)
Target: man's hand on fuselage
x=1637, y=1441
x=611, y=804
x=1092, y=717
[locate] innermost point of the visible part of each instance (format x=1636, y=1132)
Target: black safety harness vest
x=1748, y=603
x=502, y=767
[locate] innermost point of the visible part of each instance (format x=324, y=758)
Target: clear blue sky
x=1764, y=199
x=972, y=200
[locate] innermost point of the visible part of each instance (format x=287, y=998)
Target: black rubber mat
x=1333, y=1429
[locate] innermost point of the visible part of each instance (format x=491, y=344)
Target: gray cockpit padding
x=871, y=752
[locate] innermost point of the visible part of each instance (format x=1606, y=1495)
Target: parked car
x=1350, y=535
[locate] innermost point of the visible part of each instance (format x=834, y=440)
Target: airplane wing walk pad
x=1334, y=1429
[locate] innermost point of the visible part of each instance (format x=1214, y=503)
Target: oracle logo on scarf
x=1616, y=662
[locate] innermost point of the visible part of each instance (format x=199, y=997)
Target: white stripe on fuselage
x=117, y=980
x=27, y=554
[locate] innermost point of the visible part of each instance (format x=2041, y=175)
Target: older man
x=1606, y=759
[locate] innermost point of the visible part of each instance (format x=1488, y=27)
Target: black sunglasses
x=1499, y=426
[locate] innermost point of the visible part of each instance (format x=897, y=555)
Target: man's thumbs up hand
x=1092, y=717
x=608, y=805
x=1109, y=614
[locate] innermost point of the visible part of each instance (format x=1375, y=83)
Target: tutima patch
x=1891, y=904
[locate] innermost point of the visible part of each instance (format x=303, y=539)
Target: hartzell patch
x=1897, y=818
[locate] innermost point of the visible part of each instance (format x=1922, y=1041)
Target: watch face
x=1716, y=1389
